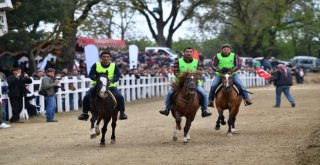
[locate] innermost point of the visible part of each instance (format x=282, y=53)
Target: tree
x=25, y=34
x=107, y=18
x=186, y=9
x=254, y=26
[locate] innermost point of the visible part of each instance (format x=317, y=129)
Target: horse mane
x=225, y=70
x=178, y=85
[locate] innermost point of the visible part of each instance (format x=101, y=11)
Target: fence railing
x=131, y=88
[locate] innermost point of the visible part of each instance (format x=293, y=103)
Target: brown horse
x=227, y=98
x=103, y=106
x=185, y=102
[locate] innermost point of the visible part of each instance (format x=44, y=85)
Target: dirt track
x=265, y=135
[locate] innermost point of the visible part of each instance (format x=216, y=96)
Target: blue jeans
x=236, y=80
x=204, y=103
x=86, y=100
x=119, y=97
x=51, y=106
x=286, y=90
x=114, y=90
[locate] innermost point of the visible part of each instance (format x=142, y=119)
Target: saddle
x=235, y=87
x=112, y=97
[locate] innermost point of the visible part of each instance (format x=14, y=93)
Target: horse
x=227, y=98
x=186, y=102
x=102, y=106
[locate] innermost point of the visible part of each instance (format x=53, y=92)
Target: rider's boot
x=83, y=116
x=123, y=116
x=247, y=102
x=165, y=111
x=205, y=113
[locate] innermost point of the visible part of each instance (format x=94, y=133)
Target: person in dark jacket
x=16, y=85
x=282, y=79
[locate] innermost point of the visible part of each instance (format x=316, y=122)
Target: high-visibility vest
x=110, y=69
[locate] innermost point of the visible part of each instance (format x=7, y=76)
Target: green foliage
x=141, y=43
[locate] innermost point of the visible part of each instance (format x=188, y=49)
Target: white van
x=310, y=63
x=163, y=50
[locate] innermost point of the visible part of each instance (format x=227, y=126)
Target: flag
x=262, y=73
x=195, y=54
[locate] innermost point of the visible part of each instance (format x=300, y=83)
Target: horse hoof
x=102, y=144
x=217, y=128
x=175, y=138
x=93, y=136
x=98, y=132
x=223, y=123
x=229, y=134
x=113, y=142
x=233, y=130
x=185, y=142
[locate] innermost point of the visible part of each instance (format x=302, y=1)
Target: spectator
x=3, y=118
x=49, y=84
x=17, y=84
x=282, y=80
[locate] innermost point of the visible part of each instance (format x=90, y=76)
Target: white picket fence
x=131, y=88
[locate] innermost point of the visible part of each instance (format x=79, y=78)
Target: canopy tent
x=101, y=43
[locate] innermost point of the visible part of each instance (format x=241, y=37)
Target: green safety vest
x=110, y=69
x=193, y=66
x=225, y=62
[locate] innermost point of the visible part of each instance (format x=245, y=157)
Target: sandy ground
x=266, y=135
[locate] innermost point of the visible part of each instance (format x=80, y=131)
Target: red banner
x=263, y=73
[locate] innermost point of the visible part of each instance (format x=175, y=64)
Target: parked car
x=308, y=62
x=163, y=50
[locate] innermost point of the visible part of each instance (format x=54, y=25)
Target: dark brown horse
x=185, y=102
x=103, y=106
x=227, y=98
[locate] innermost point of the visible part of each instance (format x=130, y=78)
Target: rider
x=227, y=59
x=180, y=66
x=113, y=75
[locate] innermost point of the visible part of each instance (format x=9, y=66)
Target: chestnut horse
x=185, y=102
x=227, y=98
x=103, y=106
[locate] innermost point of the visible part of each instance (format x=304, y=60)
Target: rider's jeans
x=236, y=80
x=204, y=103
x=119, y=97
x=214, y=84
x=86, y=101
x=244, y=92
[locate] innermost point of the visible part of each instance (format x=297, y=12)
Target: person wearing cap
x=49, y=83
x=16, y=85
x=227, y=59
x=181, y=66
x=113, y=74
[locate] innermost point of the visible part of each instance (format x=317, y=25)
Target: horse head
x=190, y=81
x=102, y=85
x=227, y=78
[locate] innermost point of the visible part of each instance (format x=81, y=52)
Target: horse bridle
x=227, y=86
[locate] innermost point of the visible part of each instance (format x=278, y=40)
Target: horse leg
x=220, y=120
x=103, y=131
x=186, y=130
x=233, y=129
x=97, y=129
x=92, y=130
x=230, y=124
x=114, y=124
x=177, y=128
